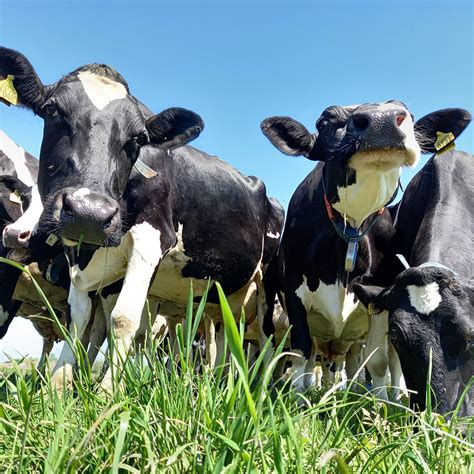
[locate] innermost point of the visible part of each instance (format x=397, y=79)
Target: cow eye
x=142, y=139
x=50, y=109
x=321, y=123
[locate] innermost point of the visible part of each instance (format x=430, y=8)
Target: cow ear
x=31, y=92
x=13, y=184
x=445, y=121
x=368, y=294
x=174, y=127
x=289, y=136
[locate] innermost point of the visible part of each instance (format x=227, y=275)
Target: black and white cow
x=430, y=306
x=334, y=235
x=17, y=293
x=194, y=217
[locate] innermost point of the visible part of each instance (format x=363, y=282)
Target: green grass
x=168, y=417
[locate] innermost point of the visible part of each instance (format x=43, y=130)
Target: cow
x=337, y=231
x=18, y=173
x=130, y=199
x=430, y=305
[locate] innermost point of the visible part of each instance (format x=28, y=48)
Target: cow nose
x=91, y=218
x=379, y=129
x=15, y=238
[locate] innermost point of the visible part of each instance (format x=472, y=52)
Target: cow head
x=363, y=148
x=93, y=132
x=430, y=312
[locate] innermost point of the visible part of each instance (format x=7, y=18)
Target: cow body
x=362, y=149
x=430, y=306
x=193, y=217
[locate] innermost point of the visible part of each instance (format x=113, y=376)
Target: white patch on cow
x=3, y=317
x=331, y=301
x=29, y=220
x=81, y=308
x=425, y=299
x=17, y=156
x=376, y=346
x=81, y=192
x=273, y=236
x=126, y=316
x=169, y=283
x=101, y=90
x=368, y=195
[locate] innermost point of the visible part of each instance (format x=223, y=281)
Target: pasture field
x=170, y=417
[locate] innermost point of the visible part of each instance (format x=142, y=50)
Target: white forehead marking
x=425, y=299
x=101, y=90
x=17, y=156
x=82, y=192
x=273, y=236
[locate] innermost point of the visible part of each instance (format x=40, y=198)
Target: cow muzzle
x=16, y=238
x=89, y=218
x=379, y=129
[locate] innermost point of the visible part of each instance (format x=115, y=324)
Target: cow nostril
x=401, y=118
x=360, y=122
x=108, y=222
x=23, y=236
x=67, y=210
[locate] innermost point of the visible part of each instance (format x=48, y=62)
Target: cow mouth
x=20, y=255
x=385, y=159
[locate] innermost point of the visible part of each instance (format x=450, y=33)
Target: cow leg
x=300, y=339
x=98, y=333
x=396, y=376
x=172, y=323
x=211, y=345
x=144, y=257
x=340, y=370
x=150, y=310
x=221, y=353
x=80, y=305
x=48, y=344
x=378, y=362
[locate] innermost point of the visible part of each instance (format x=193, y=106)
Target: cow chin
x=383, y=160
x=109, y=239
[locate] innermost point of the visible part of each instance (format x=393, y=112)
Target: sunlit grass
x=175, y=415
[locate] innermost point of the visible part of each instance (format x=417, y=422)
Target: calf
x=337, y=232
x=429, y=306
x=193, y=217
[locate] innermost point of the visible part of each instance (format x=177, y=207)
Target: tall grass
x=174, y=415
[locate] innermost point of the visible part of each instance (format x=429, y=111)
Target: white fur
x=82, y=192
x=81, y=307
x=425, y=299
x=101, y=90
x=378, y=363
x=368, y=195
x=273, y=236
x=331, y=301
x=126, y=316
x=28, y=221
x=17, y=156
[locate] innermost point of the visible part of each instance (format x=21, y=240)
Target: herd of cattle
x=120, y=214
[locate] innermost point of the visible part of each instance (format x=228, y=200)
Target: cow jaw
x=367, y=195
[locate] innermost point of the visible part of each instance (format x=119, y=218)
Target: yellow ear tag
x=444, y=142
x=7, y=91
x=15, y=197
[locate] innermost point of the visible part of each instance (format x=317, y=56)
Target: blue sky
x=236, y=63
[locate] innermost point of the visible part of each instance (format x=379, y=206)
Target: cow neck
x=346, y=232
